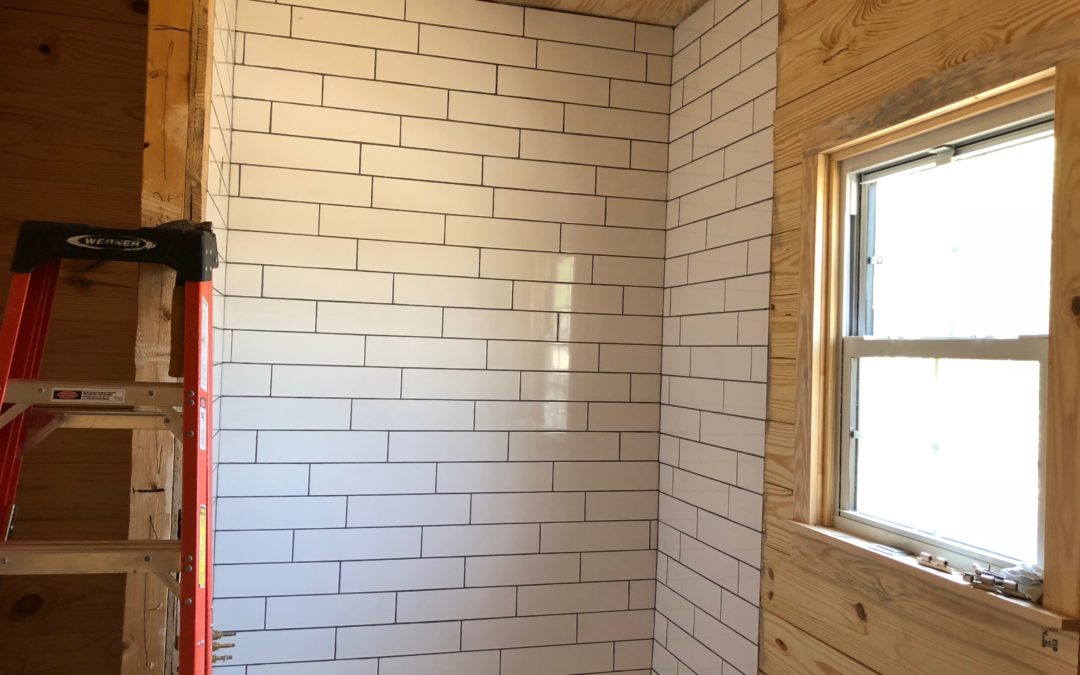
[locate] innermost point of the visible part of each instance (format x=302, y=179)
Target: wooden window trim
x=818, y=333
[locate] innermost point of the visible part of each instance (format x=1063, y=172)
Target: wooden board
x=850, y=70
x=662, y=12
x=71, y=100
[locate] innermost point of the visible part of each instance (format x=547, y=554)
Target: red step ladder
x=32, y=409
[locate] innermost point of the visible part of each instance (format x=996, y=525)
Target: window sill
x=948, y=583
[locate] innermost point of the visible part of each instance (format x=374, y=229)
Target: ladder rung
x=160, y=556
x=106, y=394
x=75, y=418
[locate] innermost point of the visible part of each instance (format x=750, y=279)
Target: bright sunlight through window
x=944, y=356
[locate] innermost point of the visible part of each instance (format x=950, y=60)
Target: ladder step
x=105, y=394
x=80, y=418
x=158, y=556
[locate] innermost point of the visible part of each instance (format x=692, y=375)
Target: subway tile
x=746, y=86
x=385, y=97
x=707, y=202
x=352, y=29
x=398, y=639
x=548, y=176
x=683, y=62
x=649, y=155
x=736, y=433
x=459, y=603
x=713, y=71
x=494, y=477
x=240, y=613
x=295, y=153
x=569, y=598
x=252, y=547
x=618, y=565
x=454, y=446
x=535, y=266
x=282, y=646
x=548, y=206
x=579, y=29
x=563, y=446
x=721, y=362
x=527, y=508
x=237, y=581
x=392, y=9
x=355, y=544
x=511, y=633
x=346, y=125
x=553, y=86
x=359, y=318
x=284, y=413
x=414, y=195
x=694, y=175
x=609, y=328
x=554, y=386
x=510, y=570
x=459, y=384
x=591, y=476
x=262, y=17
x=367, y=223
x=421, y=164
x=654, y=39
x=645, y=126
x=321, y=446
x=412, y=415
x=622, y=505
x=520, y=355
x=631, y=183
x=501, y=233
x=497, y=324
x=267, y=215
x=744, y=223
x=451, y=292
x=305, y=186
x=481, y=540
x=288, y=249
x=459, y=137
x=635, y=213
x=731, y=29
x=708, y=460
x=599, y=61
x=596, y=536
x=277, y=85
x=746, y=399
x=749, y=153
x=630, y=358
x=559, y=147
x=466, y=663
x=425, y=352
x=435, y=71
x=473, y=45
x=718, y=263
x=681, y=422
x=615, y=626
x=401, y=575
x=567, y=297
x=314, y=611
x=467, y=14
x=321, y=284
x=529, y=416
x=629, y=271
x=270, y=347
x=721, y=639
x=689, y=118
x=640, y=96
x=251, y=480
x=623, y=417
x=613, y=241
x=723, y=131
x=649, y=301
x=560, y=660
x=372, y=479
x=309, y=57
x=418, y=258
x=694, y=25
x=242, y=379
x=335, y=382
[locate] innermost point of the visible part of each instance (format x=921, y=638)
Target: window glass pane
x=950, y=447
x=964, y=247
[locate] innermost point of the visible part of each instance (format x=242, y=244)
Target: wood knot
x=860, y=611
x=44, y=48
x=140, y=6
x=781, y=644
x=770, y=595
x=770, y=572
x=27, y=606
x=1076, y=305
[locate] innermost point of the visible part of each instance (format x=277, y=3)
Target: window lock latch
x=988, y=580
x=934, y=562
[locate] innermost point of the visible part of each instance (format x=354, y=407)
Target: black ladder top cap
x=187, y=247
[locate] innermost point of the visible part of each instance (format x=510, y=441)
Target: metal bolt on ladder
x=31, y=409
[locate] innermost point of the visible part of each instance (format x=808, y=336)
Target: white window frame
x=1019, y=120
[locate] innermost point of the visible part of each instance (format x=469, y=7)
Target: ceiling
x=663, y=12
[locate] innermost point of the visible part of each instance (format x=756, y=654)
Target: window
x=944, y=347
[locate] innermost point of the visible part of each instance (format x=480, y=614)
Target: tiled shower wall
x=715, y=339
x=439, y=424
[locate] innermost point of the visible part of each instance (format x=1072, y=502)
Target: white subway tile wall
x=492, y=365
x=715, y=339
x=441, y=358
